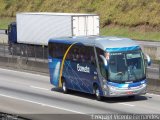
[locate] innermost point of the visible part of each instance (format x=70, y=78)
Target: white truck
x=33, y=30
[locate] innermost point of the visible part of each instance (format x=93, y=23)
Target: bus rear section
x=75, y=66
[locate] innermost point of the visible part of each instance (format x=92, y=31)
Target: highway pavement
x=31, y=95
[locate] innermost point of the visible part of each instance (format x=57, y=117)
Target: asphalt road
x=32, y=96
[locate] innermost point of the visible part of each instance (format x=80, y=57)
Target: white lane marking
x=11, y=81
x=127, y=104
x=39, y=88
x=23, y=72
x=43, y=104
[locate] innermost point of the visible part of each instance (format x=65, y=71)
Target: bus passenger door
x=88, y=74
x=102, y=66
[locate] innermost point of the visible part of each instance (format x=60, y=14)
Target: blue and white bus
x=104, y=66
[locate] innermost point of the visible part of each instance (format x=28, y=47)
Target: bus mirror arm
x=104, y=60
x=148, y=60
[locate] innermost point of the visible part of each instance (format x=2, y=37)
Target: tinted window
x=81, y=53
x=57, y=50
x=78, y=53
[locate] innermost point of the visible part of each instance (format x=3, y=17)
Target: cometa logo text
x=83, y=69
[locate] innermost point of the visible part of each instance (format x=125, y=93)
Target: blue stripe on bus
x=64, y=42
x=60, y=41
x=136, y=84
x=122, y=49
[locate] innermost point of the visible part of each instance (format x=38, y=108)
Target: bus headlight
x=111, y=87
x=144, y=85
x=105, y=86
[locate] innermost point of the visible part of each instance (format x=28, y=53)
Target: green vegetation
x=5, y=21
x=130, y=33
x=122, y=13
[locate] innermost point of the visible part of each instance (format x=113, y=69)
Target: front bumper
x=118, y=92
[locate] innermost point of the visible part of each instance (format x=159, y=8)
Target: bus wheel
x=64, y=88
x=97, y=93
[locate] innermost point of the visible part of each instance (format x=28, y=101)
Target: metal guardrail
x=27, y=54
x=6, y=116
x=159, y=71
x=3, y=31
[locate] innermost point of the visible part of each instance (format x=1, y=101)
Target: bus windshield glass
x=126, y=67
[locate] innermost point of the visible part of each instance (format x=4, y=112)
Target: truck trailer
x=29, y=35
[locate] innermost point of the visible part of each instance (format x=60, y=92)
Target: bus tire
x=64, y=88
x=97, y=93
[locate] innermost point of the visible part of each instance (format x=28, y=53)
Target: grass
x=4, y=22
x=121, y=12
x=129, y=33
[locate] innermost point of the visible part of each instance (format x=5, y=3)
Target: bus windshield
x=126, y=67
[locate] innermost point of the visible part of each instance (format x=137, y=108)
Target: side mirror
x=148, y=60
x=104, y=60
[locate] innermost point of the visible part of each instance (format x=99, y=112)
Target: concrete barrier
x=152, y=51
x=24, y=64
x=3, y=39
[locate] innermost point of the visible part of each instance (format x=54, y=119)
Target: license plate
x=129, y=93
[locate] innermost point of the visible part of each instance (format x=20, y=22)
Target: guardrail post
x=4, y=48
x=35, y=52
x=43, y=53
x=159, y=71
x=27, y=51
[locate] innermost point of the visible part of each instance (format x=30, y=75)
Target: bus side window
x=58, y=50
x=93, y=62
x=75, y=54
x=68, y=57
x=64, y=48
x=72, y=53
x=52, y=50
x=82, y=54
x=92, y=56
